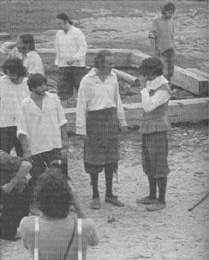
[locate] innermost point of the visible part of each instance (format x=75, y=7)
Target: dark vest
x=156, y=120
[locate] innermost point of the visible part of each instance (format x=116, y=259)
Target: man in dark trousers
x=14, y=193
x=99, y=115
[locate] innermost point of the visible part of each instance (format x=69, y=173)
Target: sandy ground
x=174, y=233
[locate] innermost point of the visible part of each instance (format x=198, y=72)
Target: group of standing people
x=33, y=121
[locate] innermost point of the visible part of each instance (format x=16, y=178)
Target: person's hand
x=7, y=188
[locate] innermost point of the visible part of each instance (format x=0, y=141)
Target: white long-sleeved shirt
x=42, y=126
x=150, y=103
x=70, y=45
x=11, y=96
x=95, y=94
x=33, y=63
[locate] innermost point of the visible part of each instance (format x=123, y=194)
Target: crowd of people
x=33, y=122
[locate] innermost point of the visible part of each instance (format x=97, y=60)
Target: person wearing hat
x=161, y=37
x=71, y=48
x=155, y=97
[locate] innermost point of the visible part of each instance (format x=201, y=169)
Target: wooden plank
x=190, y=81
x=200, y=72
x=121, y=56
x=127, y=77
x=188, y=110
x=136, y=58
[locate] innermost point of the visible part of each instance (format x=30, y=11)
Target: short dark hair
x=168, y=7
x=64, y=17
x=54, y=194
x=101, y=57
x=36, y=80
x=14, y=66
x=28, y=39
x=152, y=66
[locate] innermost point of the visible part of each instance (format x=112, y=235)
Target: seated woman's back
x=56, y=226
x=54, y=236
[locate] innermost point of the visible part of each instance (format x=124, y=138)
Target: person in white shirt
x=99, y=115
x=13, y=89
x=71, y=48
x=155, y=97
x=31, y=59
x=42, y=127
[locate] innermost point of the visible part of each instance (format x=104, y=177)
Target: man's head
x=36, y=83
x=14, y=68
x=54, y=194
x=168, y=10
x=25, y=43
x=104, y=62
x=63, y=21
x=151, y=68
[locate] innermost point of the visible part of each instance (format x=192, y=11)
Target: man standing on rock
x=71, y=48
x=99, y=115
x=162, y=39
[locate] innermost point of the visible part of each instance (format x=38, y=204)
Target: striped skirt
x=154, y=154
x=102, y=146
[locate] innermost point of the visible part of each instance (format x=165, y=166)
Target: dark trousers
x=8, y=140
x=15, y=207
x=68, y=79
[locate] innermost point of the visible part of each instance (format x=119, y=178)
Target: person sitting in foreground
x=56, y=226
x=14, y=195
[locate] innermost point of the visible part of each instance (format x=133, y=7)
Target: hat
x=150, y=64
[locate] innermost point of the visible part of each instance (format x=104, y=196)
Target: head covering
x=64, y=17
x=149, y=65
x=169, y=7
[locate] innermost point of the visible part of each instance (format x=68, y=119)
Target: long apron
x=102, y=146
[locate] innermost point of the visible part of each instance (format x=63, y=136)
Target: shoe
x=147, y=201
x=114, y=201
x=157, y=206
x=95, y=204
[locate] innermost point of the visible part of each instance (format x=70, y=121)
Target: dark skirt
x=154, y=154
x=102, y=146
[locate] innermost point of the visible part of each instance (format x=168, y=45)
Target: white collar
x=156, y=83
x=30, y=53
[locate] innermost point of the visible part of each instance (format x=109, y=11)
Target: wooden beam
x=188, y=110
x=200, y=72
x=190, y=81
x=133, y=81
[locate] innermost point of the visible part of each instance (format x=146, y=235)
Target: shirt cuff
x=21, y=132
x=81, y=131
x=123, y=123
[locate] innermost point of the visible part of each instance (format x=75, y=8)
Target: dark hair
x=54, y=195
x=36, y=80
x=64, y=17
x=101, y=58
x=14, y=66
x=28, y=39
x=152, y=66
x=168, y=7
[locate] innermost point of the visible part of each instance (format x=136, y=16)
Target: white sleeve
x=151, y=103
x=81, y=110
